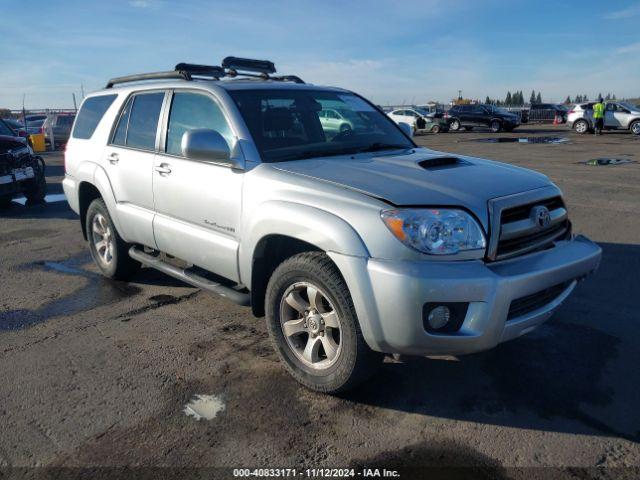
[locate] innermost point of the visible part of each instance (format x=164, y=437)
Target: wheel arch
x=90, y=187
x=283, y=229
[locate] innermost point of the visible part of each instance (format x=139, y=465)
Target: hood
x=422, y=178
x=9, y=143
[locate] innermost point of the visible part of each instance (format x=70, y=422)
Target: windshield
x=294, y=124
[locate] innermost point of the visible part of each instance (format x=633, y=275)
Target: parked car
x=618, y=116
x=481, y=115
x=353, y=246
x=21, y=172
x=420, y=120
x=61, y=124
x=35, y=124
x=16, y=126
x=545, y=112
x=337, y=120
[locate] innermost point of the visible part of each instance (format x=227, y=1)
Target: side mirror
x=208, y=145
x=406, y=128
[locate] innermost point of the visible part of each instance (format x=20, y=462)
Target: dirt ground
x=98, y=373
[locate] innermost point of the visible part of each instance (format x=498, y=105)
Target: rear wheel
x=435, y=129
x=454, y=125
x=108, y=249
x=581, y=126
x=495, y=126
x=313, y=325
x=635, y=127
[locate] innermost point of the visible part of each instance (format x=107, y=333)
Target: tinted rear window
x=143, y=120
x=90, y=115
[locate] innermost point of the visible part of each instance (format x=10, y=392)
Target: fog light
x=439, y=317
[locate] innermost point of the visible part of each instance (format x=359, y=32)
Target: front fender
x=320, y=228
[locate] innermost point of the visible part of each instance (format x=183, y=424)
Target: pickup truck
x=353, y=244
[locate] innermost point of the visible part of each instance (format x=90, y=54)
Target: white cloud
x=632, y=11
x=143, y=3
x=631, y=48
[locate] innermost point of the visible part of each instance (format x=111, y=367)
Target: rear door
x=129, y=164
x=197, y=203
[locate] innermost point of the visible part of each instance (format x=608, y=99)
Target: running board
x=189, y=277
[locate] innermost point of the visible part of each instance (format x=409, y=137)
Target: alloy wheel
x=311, y=325
x=103, y=240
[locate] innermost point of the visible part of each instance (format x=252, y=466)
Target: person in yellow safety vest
x=598, y=116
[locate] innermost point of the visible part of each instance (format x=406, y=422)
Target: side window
x=120, y=135
x=143, y=120
x=90, y=114
x=194, y=110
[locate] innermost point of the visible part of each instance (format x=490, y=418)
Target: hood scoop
x=438, y=163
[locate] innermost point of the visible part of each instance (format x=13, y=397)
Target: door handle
x=114, y=158
x=163, y=169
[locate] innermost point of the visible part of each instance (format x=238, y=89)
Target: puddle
x=98, y=291
x=603, y=162
x=204, y=407
x=53, y=198
x=549, y=140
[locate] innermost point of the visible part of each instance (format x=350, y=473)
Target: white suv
x=618, y=116
x=352, y=243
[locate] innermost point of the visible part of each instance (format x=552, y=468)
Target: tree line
x=517, y=98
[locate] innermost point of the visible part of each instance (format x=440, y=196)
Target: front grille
x=522, y=211
x=523, y=305
x=520, y=233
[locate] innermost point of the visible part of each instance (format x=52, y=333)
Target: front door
x=197, y=203
x=129, y=164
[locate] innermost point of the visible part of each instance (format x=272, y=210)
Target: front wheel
x=454, y=125
x=5, y=201
x=495, y=126
x=313, y=325
x=635, y=127
x=109, y=251
x=36, y=189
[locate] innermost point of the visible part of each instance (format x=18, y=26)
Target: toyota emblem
x=541, y=216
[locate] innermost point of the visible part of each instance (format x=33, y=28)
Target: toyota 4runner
x=352, y=243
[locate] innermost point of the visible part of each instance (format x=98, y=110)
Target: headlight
x=435, y=231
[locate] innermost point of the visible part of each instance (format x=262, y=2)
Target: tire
x=307, y=293
x=495, y=126
x=635, y=127
x=435, y=129
x=36, y=189
x=5, y=201
x=345, y=127
x=581, y=126
x=454, y=126
x=109, y=251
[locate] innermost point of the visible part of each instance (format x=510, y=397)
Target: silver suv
x=353, y=243
x=617, y=116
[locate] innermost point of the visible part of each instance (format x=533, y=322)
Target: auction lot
x=96, y=372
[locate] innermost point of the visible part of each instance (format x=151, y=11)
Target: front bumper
x=10, y=183
x=389, y=296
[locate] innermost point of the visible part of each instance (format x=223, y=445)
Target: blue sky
x=390, y=51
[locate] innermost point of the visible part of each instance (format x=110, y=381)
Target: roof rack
x=231, y=67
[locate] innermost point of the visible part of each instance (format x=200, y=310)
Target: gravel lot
x=98, y=373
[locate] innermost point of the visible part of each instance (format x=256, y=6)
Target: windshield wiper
x=378, y=146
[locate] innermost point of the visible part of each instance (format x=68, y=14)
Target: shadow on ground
x=547, y=380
